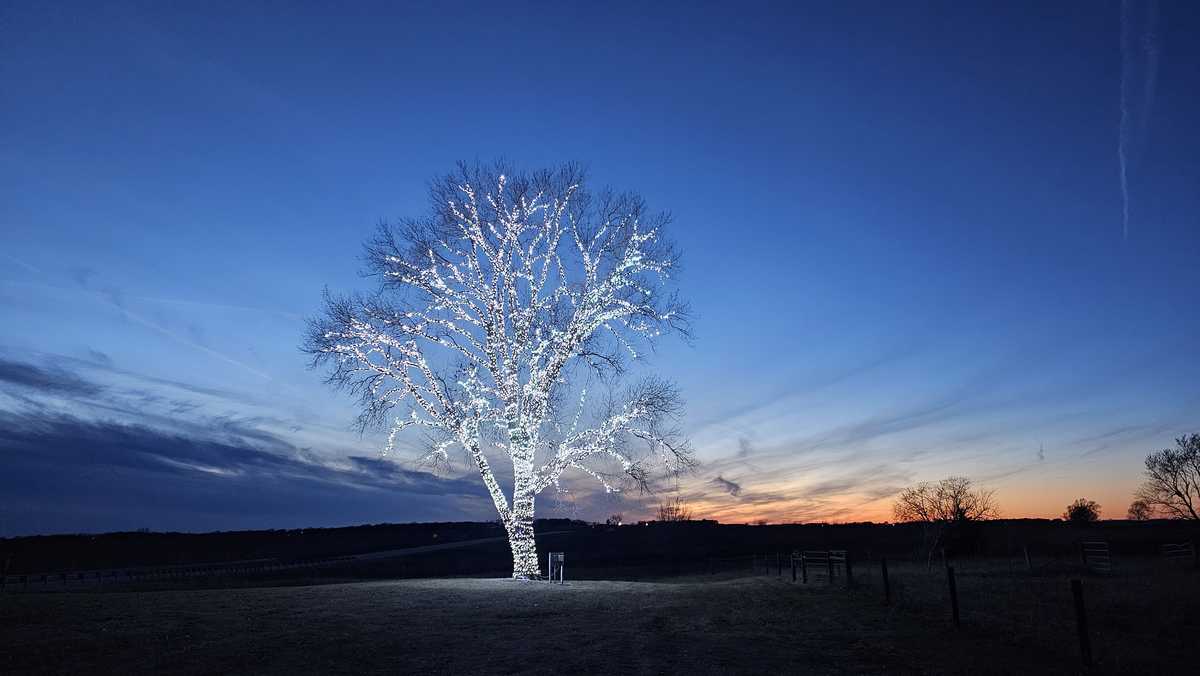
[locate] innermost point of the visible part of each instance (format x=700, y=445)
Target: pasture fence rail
x=1095, y=556
x=1181, y=551
x=829, y=564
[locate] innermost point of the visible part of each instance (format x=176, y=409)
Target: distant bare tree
x=943, y=505
x=1172, y=484
x=1139, y=510
x=614, y=520
x=1082, y=511
x=949, y=500
x=674, y=509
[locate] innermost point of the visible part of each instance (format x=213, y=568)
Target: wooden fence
x=1095, y=556
x=1182, y=551
x=829, y=565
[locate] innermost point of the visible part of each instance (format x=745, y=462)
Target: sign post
x=555, y=565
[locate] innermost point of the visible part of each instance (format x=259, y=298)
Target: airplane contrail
x=1123, y=131
x=110, y=301
x=1150, y=46
x=132, y=316
x=22, y=263
x=1129, y=145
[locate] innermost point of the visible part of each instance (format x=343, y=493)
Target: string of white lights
x=511, y=309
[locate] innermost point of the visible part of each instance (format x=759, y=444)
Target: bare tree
x=493, y=316
x=1172, y=484
x=1139, y=510
x=949, y=500
x=614, y=519
x=1082, y=511
x=674, y=509
x=943, y=505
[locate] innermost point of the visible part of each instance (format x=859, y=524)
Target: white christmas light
x=506, y=293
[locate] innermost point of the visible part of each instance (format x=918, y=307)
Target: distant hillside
x=587, y=544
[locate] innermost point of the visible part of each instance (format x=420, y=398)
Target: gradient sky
x=901, y=223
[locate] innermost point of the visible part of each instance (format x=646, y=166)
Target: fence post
x=849, y=571
x=778, y=564
x=953, y=594
x=804, y=568
x=793, y=557
x=887, y=586
x=1085, y=644
x=1028, y=562
x=829, y=562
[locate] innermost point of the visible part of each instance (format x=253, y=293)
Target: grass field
x=1012, y=623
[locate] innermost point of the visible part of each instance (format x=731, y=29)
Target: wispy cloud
x=45, y=379
x=1142, y=55
x=115, y=298
x=731, y=487
x=196, y=481
x=22, y=264
x=745, y=448
x=1121, y=436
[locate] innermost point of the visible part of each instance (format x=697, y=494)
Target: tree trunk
x=521, y=541
x=520, y=520
x=933, y=548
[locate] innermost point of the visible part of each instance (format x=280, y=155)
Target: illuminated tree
x=493, y=317
x=1172, y=484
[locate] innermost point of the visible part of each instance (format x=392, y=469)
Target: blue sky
x=901, y=226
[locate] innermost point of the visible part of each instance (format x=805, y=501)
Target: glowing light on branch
x=490, y=312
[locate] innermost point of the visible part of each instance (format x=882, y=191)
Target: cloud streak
x=45, y=380
x=731, y=487
x=236, y=477
x=1129, y=146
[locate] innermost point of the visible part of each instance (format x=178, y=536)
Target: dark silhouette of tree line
x=1171, y=489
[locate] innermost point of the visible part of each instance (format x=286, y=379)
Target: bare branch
x=486, y=312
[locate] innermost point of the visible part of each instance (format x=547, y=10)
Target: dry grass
x=1141, y=618
x=749, y=625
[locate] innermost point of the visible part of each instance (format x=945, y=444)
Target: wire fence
x=823, y=566
x=1021, y=595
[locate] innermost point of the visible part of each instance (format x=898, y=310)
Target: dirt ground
x=700, y=626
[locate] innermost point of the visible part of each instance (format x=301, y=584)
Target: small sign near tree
x=555, y=565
